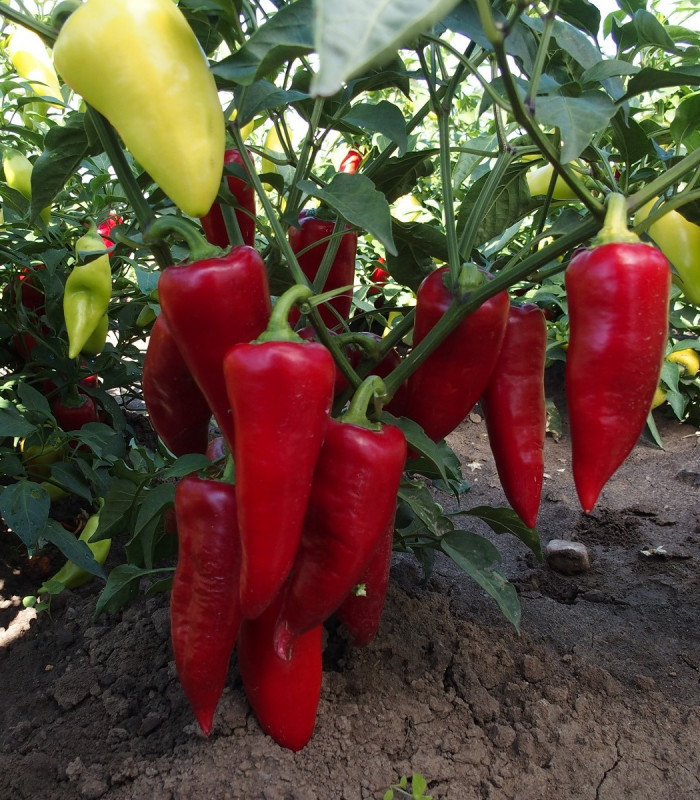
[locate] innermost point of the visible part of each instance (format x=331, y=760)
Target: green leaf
x=285, y=36
x=398, y=176
x=651, y=32
x=609, y=68
x=69, y=477
x=424, y=506
x=351, y=35
x=577, y=118
x=684, y=126
x=475, y=555
x=582, y=14
x=122, y=586
x=72, y=548
x=25, y=508
x=357, y=200
x=383, y=117
x=153, y=501
x=648, y=79
x=505, y=520
x=184, y=465
x=116, y=511
x=417, y=245
x=12, y=423
x=263, y=96
x=418, y=786
x=33, y=400
x=439, y=455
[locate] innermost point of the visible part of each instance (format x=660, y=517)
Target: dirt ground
x=597, y=699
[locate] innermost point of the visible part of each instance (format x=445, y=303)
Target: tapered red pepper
x=283, y=694
x=618, y=295
x=306, y=242
x=361, y=613
x=281, y=389
x=87, y=292
x=176, y=406
x=353, y=500
x=210, y=304
x=446, y=386
x=514, y=407
x=139, y=64
x=213, y=222
x=204, y=609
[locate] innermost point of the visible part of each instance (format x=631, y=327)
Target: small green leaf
x=153, y=502
x=25, y=508
x=505, y=520
x=70, y=478
x=648, y=79
x=383, y=117
x=418, y=786
x=72, y=548
x=122, y=586
x=116, y=510
x=684, y=127
x=263, y=96
x=33, y=400
x=423, y=505
x=419, y=245
x=184, y=465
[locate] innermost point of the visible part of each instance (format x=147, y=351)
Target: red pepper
x=446, y=386
x=204, y=610
x=618, y=295
x=351, y=162
x=361, y=613
x=211, y=304
x=310, y=232
x=514, y=407
x=353, y=500
x=176, y=406
x=281, y=389
x=74, y=410
x=213, y=223
x=283, y=694
x=380, y=277
x=105, y=230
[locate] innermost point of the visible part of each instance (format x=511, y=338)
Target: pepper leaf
x=25, y=508
x=383, y=117
x=122, y=586
x=505, y=520
x=577, y=118
x=357, y=200
x=476, y=555
x=72, y=548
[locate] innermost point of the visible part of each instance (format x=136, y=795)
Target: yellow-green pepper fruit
x=139, y=64
x=538, y=181
x=32, y=62
x=688, y=359
x=18, y=175
x=70, y=574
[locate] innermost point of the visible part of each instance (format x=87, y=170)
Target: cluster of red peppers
x=265, y=557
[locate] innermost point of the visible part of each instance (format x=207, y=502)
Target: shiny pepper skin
x=284, y=695
x=204, y=609
x=514, y=408
x=213, y=223
x=446, y=386
x=618, y=304
x=71, y=416
x=139, y=64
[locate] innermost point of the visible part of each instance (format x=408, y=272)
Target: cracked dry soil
x=598, y=699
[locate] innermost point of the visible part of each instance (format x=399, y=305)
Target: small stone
x=645, y=683
x=566, y=557
x=533, y=669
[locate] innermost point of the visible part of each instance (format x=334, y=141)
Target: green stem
x=47, y=33
x=200, y=249
x=229, y=473
x=541, y=56
x=278, y=328
x=615, y=226
x=371, y=388
x=306, y=148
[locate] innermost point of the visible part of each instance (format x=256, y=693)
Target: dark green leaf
x=505, y=520
x=582, y=14
x=122, y=586
x=398, y=176
x=72, y=548
x=648, y=79
x=577, y=118
x=476, y=555
x=25, y=508
x=651, y=32
x=417, y=245
x=12, y=423
x=383, y=117
x=116, y=512
x=357, y=200
x=153, y=502
x=70, y=478
x=685, y=124
x=423, y=505
x=263, y=96
x=184, y=465
x=33, y=400
x=630, y=138
x=609, y=68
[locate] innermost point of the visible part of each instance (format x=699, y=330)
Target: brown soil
x=598, y=699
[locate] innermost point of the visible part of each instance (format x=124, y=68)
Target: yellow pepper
x=679, y=241
x=32, y=62
x=139, y=64
x=18, y=175
x=538, y=181
x=688, y=359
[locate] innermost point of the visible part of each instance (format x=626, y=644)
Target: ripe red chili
x=353, y=499
x=618, y=295
x=213, y=223
x=74, y=410
x=204, y=609
x=176, y=406
x=446, y=386
x=514, y=407
x=308, y=234
x=351, y=162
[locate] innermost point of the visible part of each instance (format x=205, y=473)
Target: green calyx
x=371, y=389
x=199, y=247
x=615, y=226
x=469, y=279
x=279, y=329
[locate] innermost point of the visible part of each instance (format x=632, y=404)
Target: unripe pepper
x=306, y=242
x=176, y=406
x=204, y=610
x=618, y=294
x=139, y=64
x=87, y=292
x=353, y=500
x=71, y=575
x=514, y=407
x=280, y=388
x=32, y=62
x=539, y=179
x=213, y=222
x=284, y=695
x=18, y=175
x=210, y=304
x=446, y=386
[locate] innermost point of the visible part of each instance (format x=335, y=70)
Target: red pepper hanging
x=204, y=609
x=618, y=294
x=280, y=389
x=213, y=223
x=176, y=406
x=514, y=407
x=353, y=500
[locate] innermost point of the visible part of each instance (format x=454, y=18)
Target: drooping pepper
x=18, y=175
x=176, y=406
x=679, y=240
x=87, y=292
x=353, y=500
x=139, y=64
x=210, y=304
x=280, y=388
x=539, y=180
x=204, y=609
x=351, y=162
x=284, y=695
x=213, y=222
x=361, y=612
x=32, y=62
x=618, y=294
x=446, y=386
x=306, y=242
x=514, y=407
